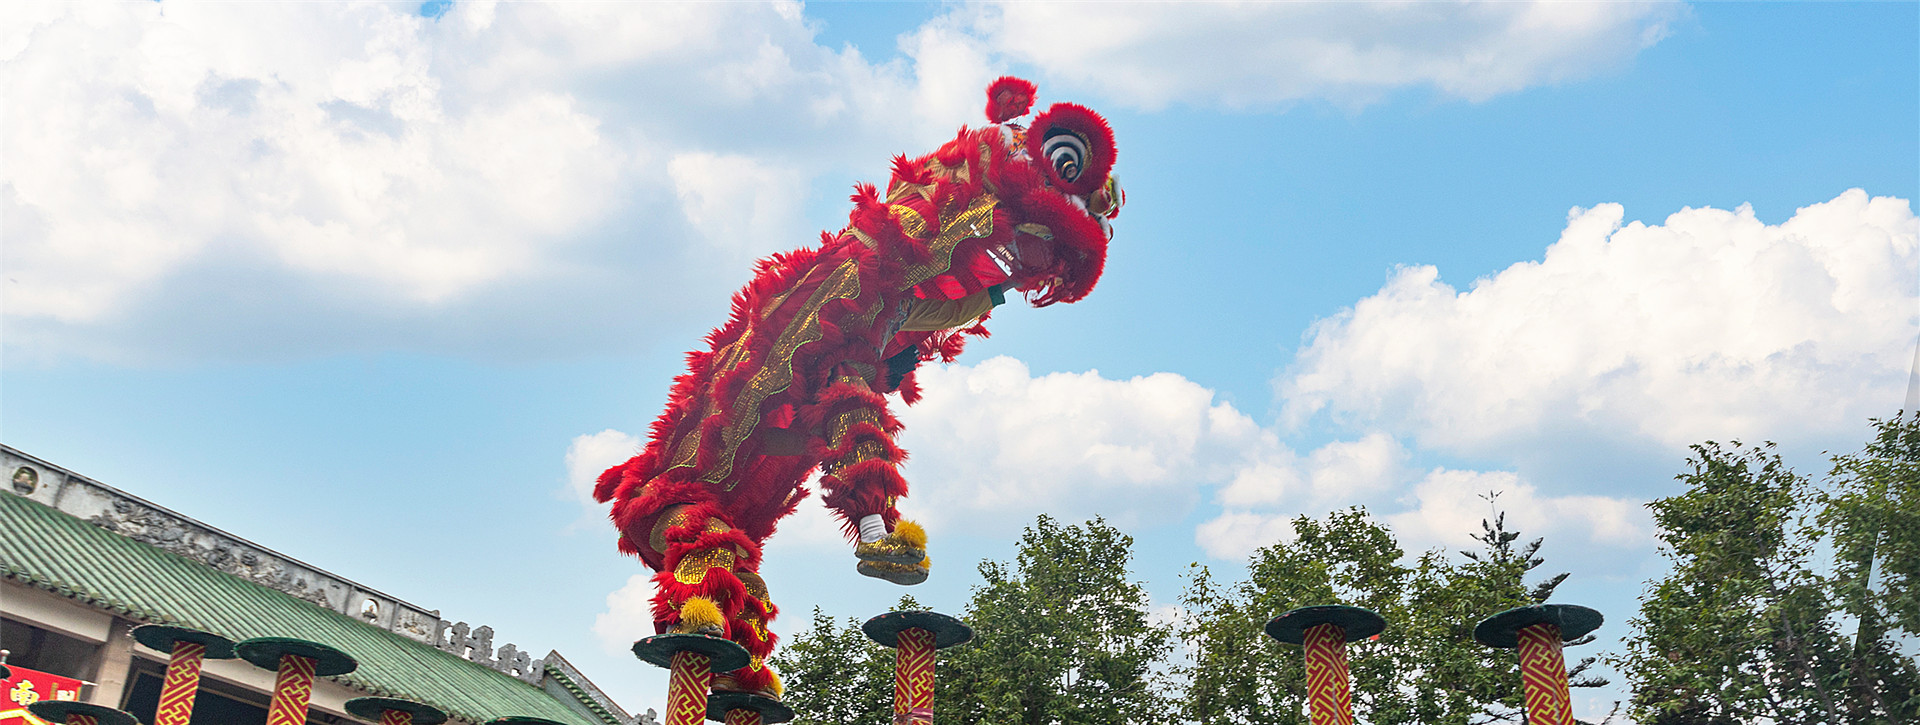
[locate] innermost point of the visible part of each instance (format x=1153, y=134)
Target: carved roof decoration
x=108, y=549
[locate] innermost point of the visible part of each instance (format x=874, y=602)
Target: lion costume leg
x=708, y=583
x=861, y=479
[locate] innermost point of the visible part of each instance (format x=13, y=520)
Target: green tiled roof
x=51, y=550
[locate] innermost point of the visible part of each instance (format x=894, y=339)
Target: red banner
x=26, y=687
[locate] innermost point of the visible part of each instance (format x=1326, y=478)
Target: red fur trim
x=1090, y=126
x=1009, y=98
x=909, y=389
x=860, y=490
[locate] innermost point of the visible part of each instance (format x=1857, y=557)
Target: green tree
x=1061, y=636
x=1770, y=572
x=835, y=675
x=1425, y=668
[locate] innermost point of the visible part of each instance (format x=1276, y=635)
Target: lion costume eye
x=1076, y=146
x=1068, y=152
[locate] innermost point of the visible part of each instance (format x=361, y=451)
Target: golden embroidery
x=903, y=189
x=911, y=222
x=777, y=371
x=863, y=237
x=693, y=567
x=756, y=587
x=971, y=223
x=675, y=516
x=1038, y=230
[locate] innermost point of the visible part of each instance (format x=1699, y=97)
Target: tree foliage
x=1061, y=635
x=1425, y=668
x=1786, y=596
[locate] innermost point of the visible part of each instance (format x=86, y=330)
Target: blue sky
x=354, y=282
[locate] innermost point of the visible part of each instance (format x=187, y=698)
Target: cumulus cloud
x=1713, y=325
x=353, y=175
x=628, y=617
x=991, y=441
x=1449, y=506
x=189, y=180
x=1264, y=53
x=589, y=455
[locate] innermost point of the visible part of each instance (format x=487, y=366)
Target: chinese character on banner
x=26, y=687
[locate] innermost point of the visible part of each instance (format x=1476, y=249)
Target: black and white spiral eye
x=1067, y=151
x=1073, y=147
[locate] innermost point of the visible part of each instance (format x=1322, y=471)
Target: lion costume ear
x=1009, y=98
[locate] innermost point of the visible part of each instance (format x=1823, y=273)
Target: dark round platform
x=161, y=637
x=1359, y=623
x=771, y=711
x=56, y=711
x=1503, y=630
x=265, y=652
x=374, y=708
x=946, y=630
x=659, y=649
x=522, y=720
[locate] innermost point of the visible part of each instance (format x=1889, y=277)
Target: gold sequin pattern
x=837, y=435
x=674, y=516
x=910, y=221
x=693, y=567
x=1038, y=230
x=970, y=223
x=777, y=373
x=901, y=190
x=756, y=587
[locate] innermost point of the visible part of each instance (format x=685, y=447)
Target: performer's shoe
x=906, y=545
x=902, y=574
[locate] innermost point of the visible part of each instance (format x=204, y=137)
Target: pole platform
x=375, y=709
x=1357, y=623
x=947, y=631
x=1502, y=631
x=60, y=712
x=161, y=638
x=265, y=653
x=725, y=654
x=769, y=709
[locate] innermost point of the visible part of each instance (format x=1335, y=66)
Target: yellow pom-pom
x=773, y=683
x=926, y=562
x=911, y=533
x=700, y=613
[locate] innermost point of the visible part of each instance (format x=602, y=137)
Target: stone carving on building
x=116, y=511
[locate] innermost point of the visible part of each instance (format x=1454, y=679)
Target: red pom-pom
x=1009, y=98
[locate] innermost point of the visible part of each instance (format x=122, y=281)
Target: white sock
x=872, y=528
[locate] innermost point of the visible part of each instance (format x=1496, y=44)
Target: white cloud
x=590, y=455
x=188, y=180
x=182, y=176
x=1711, y=326
x=629, y=615
x=992, y=442
x=1449, y=506
x=1263, y=53
x=1235, y=534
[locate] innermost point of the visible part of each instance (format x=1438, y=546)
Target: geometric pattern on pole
x=1537, y=632
x=913, y=678
x=687, y=686
x=188, y=650
x=292, y=690
x=1330, y=699
x=181, y=684
x=746, y=708
x=915, y=635
x=1543, y=672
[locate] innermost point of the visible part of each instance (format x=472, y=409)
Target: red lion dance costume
x=794, y=380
